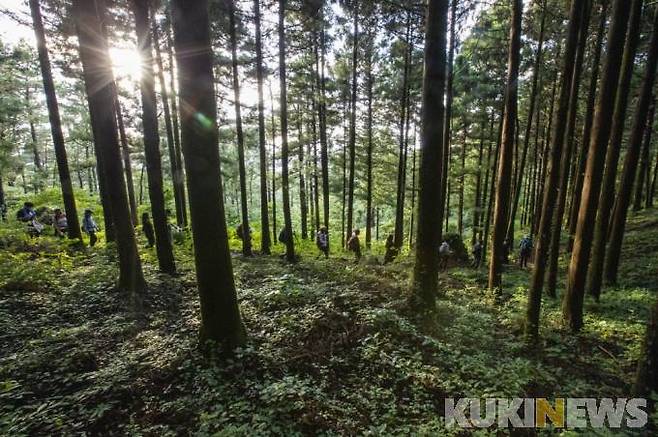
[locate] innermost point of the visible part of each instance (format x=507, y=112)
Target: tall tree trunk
x=606, y=199
x=33, y=132
x=55, y=126
x=322, y=119
x=566, y=159
x=485, y=190
x=175, y=164
x=425, y=275
x=528, y=129
x=369, y=85
x=125, y=154
x=179, y=177
x=413, y=196
x=478, y=183
x=644, y=160
x=220, y=315
x=303, y=205
x=290, y=243
x=352, y=140
x=275, y=230
x=444, y=198
x=462, y=178
x=99, y=83
x=265, y=241
x=646, y=376
x=244, y=208
x=551, y=188
x=587, y=126
x=404, y=108
x=152, y=138
x=572, y=304
x=492, y=189
x=505, y=163
x=654, y=181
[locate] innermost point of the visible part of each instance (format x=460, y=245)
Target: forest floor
x=331, y=348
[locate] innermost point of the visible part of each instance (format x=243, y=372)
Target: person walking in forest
x=354, y=244
x=525, y=250
x=90, y=227
x=477, y=254
x=444, y=255
x=28, y=215
x=391, y=250
x=322, y=241
x=147, y=228
x=60, y=223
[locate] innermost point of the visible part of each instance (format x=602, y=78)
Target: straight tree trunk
x=587, y=126
x=369, y=176
x=462, y=178
x=303, y=205
x=413, y=196
x=492, y=186
x=175, y=164
x=607, y=196
x=646, y=376
x=99, y=82
x=220, y=316
x=352, y=140
x=152, y=139
x=444, y=198
x=322, y=119
x=566, y=159
x=404, y=108
x=55, y=126
x=179, y=177
x=551, y=188
x=505, y=163
x=244, y=208
x=642, y=175
x=654, y=181
x=528, y=129
x=275, y=229
x=265, y=241
x=425, y=275
x=290, y=243
x=478, y=184
x=127, y=163
x=572, y=304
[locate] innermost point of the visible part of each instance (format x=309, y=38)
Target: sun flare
x=126, y=63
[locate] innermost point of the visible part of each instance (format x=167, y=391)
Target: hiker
x=391, y=250
x=60, y=223
x=28, y=215
x=322, y=241
x=240, y=233
x=477, y=254
x=444, y=255
x=284, y=235
x=147, y=228
x=3, y=211
x=525, y=251
x=90, y=227
x=354, y=244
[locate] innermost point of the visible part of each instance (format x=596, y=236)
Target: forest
x=328, y=217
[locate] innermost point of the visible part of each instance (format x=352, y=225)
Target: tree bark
x=265, y=241
x=565, y=164
x=352, y=139
x=55, y=126
x=125, y=154
x=244, y=208
x=220, y=316
x=551, y=187
x=425, y=275
x=505, y=162
x=99, y=83
x=290, y=243
x=175, y=164
x=163, y=246
x=572, y=304
x=642, y=175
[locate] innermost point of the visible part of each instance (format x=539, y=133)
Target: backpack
x=353, y=243
x=526, y=245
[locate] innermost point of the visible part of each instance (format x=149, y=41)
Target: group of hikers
x=525, y=252
x=36, y=222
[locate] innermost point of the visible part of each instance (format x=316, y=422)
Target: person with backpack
x=322, y=241
x=284, y=235
x=477, y=254
x=147, y=228
x=27, y=213
x=444, y=255
x=525, y=251
x=391, y=250
x=90, y=227
x=354, y=244
x=60, y=223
